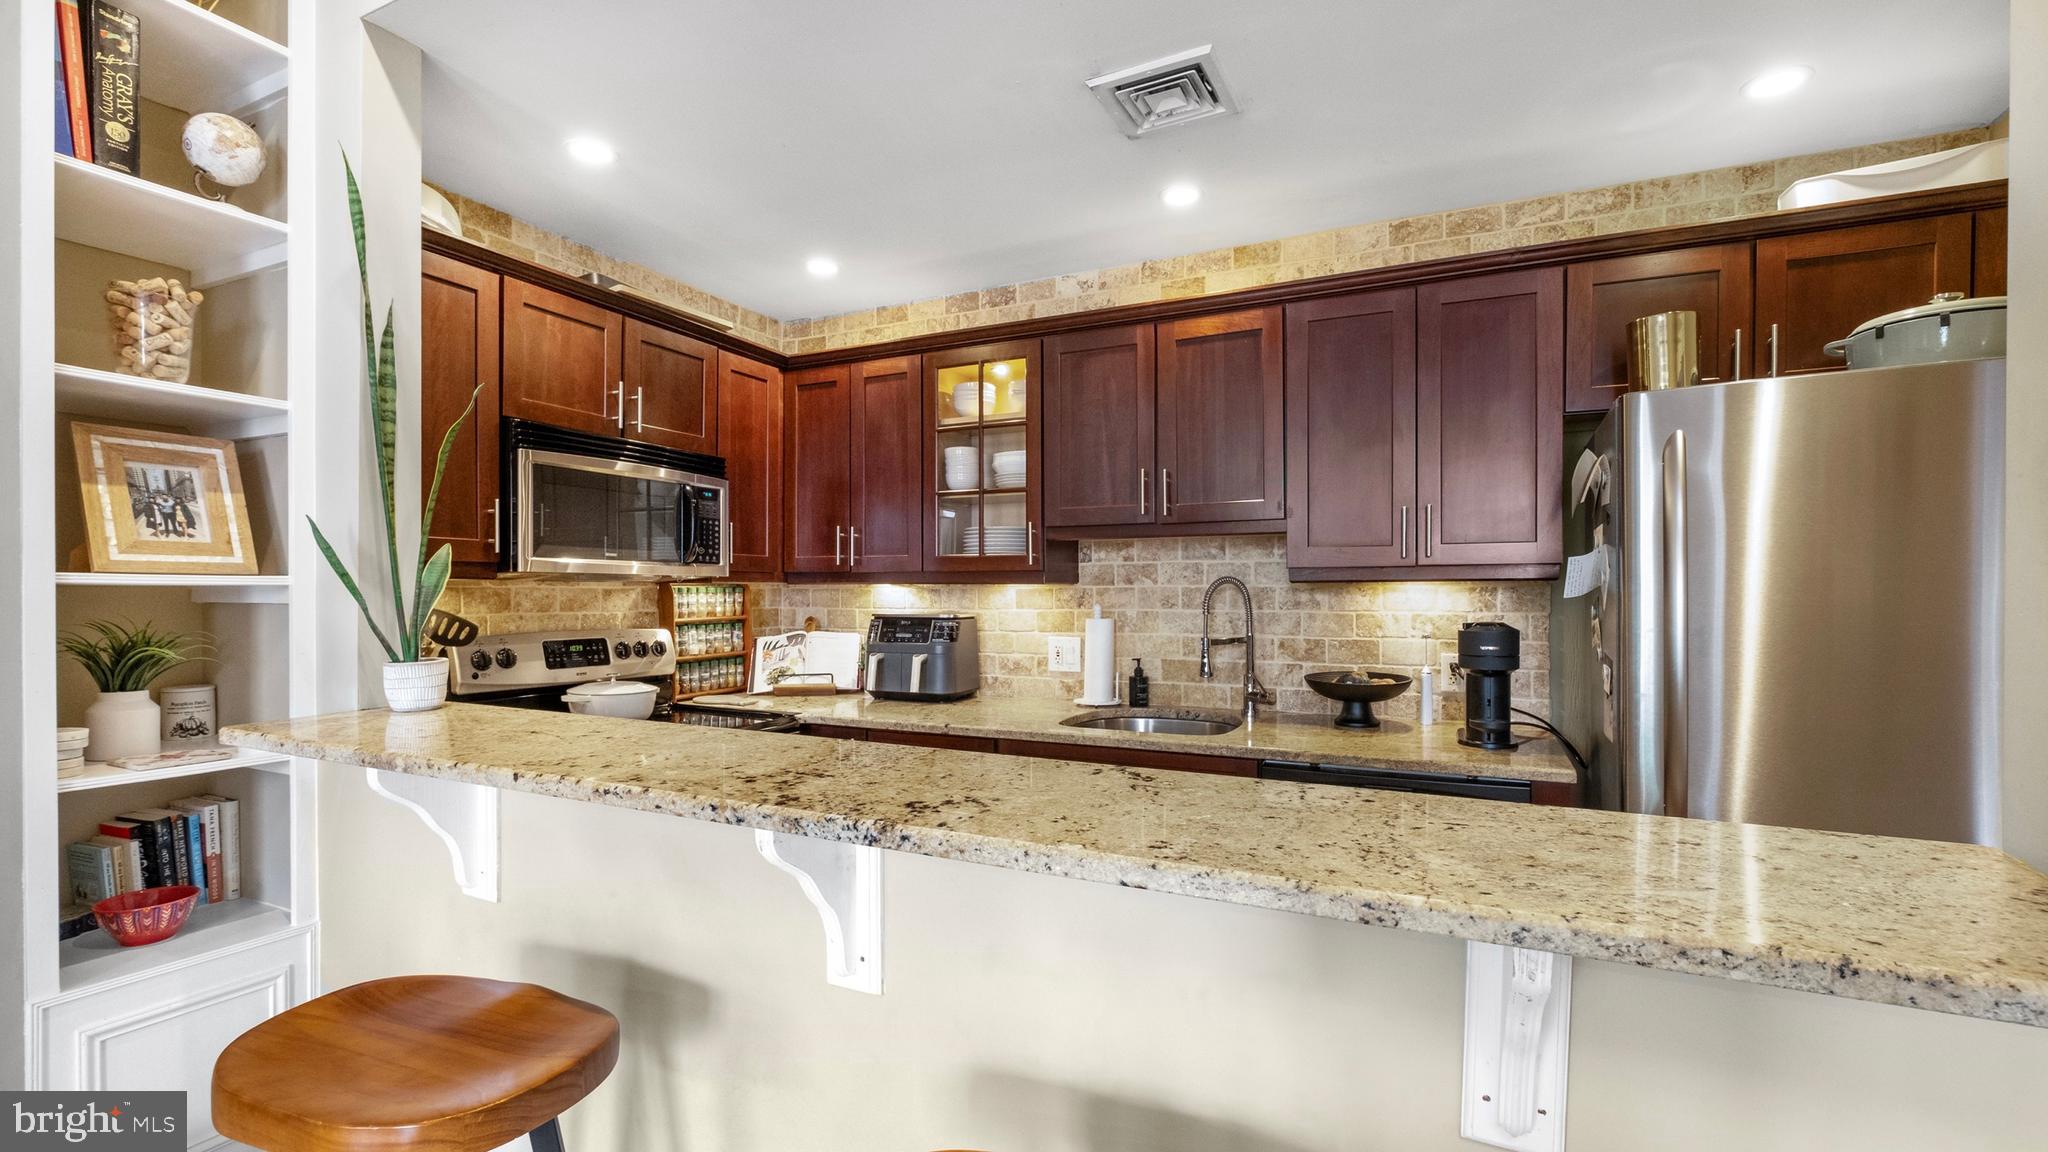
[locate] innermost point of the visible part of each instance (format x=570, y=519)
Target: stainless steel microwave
x=585, y=505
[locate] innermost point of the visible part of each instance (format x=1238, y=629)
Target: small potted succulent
x=123, y=659
x=413, y=681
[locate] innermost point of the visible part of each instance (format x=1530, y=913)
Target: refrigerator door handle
x=1673, y=736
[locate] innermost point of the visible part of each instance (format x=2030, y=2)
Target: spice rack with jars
x=714, y=644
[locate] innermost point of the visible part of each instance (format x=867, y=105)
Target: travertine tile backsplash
x=1151, y=588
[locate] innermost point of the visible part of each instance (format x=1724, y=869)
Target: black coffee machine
x=1488, y=651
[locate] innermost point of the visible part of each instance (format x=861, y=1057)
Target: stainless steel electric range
x=534, y=669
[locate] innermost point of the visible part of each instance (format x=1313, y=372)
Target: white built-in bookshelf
x=99, y=1014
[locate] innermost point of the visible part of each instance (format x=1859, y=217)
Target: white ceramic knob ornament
x=224, y=150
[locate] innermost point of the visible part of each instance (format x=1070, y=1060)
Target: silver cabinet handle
x=838, y=534
x=1735, y=366
x=1144, y=491
x=1404, y=531
x=622, y=407
x=495, y=548
x=639, y=406
x=1428, y=530
x=1030, y=543
x=1673, y=740
x=1166, y=491
x=852, y=547
x=1774, y=350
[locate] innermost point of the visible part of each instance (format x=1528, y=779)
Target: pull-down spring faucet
x=1255, y=693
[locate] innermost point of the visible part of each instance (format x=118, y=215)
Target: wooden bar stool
x=419, y=1063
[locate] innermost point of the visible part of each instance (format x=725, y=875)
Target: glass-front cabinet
x=982, y=459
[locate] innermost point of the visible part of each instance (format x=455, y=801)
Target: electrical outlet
x=1450, y=679
x=1063, y=653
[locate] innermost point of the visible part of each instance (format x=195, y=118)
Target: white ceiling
x=934, y=146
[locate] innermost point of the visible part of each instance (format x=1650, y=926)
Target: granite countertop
x=1395, y=744
x=1945, y=927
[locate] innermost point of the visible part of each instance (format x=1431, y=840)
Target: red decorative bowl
x=146, y=916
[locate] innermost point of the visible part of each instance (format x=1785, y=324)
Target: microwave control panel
x=707, y=511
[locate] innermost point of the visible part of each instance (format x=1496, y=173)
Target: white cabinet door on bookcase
x=163, y=1031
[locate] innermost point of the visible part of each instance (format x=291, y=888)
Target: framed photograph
x=162, y=502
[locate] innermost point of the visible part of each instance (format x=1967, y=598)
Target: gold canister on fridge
x=1664, y=351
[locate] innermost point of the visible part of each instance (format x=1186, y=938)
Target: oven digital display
x=589, y=652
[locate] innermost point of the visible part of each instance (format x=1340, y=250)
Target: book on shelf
x=228, y=821
x=114, y=85
x=74, y=119
x=75, y=920
x=91, y=870
x=172, y=849
x=207, y=813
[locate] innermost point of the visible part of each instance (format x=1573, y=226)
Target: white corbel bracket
x=464, y=816
x=1518, y=1010
x=844, y=883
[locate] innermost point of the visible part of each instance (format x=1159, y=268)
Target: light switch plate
x=1063, y=653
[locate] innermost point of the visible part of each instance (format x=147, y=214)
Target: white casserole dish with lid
x=1948, y=327
x=628, y=699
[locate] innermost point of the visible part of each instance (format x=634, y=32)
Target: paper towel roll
x=1098, y=663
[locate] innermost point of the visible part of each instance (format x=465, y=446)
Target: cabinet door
x=1489, y=418
x=561, y=360
x=671, y=389
x=886, y=531
x=1818, y=286
x=1351, y=431
x=1987, y=272
x=1602, y=296
x=982, y=472
x=1100, y=466
x=1222, y=440
x=817, y=469
x=459, y=352
x=750, y=435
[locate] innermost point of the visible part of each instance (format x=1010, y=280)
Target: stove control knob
x=622, y=650
x=659, y=649
x=507, y=658
x=640, y=650
x=480, y=660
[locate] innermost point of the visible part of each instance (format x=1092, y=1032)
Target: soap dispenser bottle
x=1140, y=694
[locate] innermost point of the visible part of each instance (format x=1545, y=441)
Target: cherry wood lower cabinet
x=948, y=740
x=1351, y=431
x=1100, y=404
x=1489, y=419
x=817, y=414
x=885, y=532
x=1602, y=296
x=458, y=357
x=670, y=395
x=1130, y=757
x=561, y=361
x=1221, y=433
x=1816, y=287
x=750, y=439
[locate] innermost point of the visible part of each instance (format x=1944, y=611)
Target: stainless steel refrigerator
x=1797, y=622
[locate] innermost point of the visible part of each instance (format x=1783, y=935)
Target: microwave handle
x=686, y=527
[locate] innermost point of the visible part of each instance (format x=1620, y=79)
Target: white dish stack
x=963, y=467
x=1009, y=468
x=1000, y=541
x=71, y=744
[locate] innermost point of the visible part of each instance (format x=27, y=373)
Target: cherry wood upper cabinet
x=885, y=532
x=671, y=394
x=1222, y=441
x=1489, y=418
x=561, y=359
x=1351, y=431
x=750, y=436
x=1602, y=296
x=1987, y=273
x=1099, y=399
x=1816, y=287
x=986, y=400
x=817, y=471
x=459, y=352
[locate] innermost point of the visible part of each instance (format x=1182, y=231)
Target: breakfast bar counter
x=1944, y=927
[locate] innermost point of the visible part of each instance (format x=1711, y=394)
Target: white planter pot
x=122, y=724
x=416, y=685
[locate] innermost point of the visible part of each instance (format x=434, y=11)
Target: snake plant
x=380, y=380
x=127, y=657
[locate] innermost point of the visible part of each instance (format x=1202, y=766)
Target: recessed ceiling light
x=823, y=267
x=591, y=150
x=1777, y=82
x=1180, y=195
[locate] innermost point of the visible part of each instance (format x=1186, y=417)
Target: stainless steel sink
x=1157, y=724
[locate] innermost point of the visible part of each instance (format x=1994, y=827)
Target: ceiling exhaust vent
x=1177, y=89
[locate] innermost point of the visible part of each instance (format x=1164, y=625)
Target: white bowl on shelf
x=970, y=401
x=1011, y=461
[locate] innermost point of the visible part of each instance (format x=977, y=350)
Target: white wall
x=2026, y=442
x=1033, y=1013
